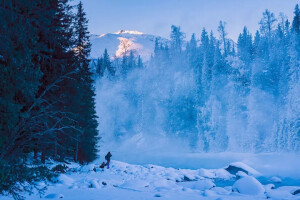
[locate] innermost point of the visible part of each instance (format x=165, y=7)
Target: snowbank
x=248, y=185
x=134, y=182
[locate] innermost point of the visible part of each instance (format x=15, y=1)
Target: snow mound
x=275, y=179
x=223, y=174
x=164, y=185
x=94, y=184
x=284, y=192
x=220, y=191
x=249, y=185
x=135, y=184
x=241, y=174
x=66, y=180
x=233, y=168
x=201, y=185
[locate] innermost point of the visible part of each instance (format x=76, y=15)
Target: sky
x=156, y=16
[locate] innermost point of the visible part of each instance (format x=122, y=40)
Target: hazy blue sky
x=156, y=16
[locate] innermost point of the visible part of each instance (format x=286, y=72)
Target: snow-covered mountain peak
x=102, y=35
x=129, y=32
x=122, y=42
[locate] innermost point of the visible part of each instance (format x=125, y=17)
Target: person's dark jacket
x=107, y=157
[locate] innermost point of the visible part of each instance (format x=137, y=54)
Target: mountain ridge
x=124, y=41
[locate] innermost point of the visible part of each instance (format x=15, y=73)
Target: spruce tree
x=176, y=41
x=100, y=67
x=192, y=52
x=296, y=28
x=86, y=149
x=244, y=46
x=107, y=63
x=296, y=20
x=223, y=34
x=140, y=62
x=58, y=70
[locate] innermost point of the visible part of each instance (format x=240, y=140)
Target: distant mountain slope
x=124, y=41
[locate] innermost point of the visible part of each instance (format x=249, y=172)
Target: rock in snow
x=233, y=168
x=249, y=185
x=275, y=179
x=297, y=192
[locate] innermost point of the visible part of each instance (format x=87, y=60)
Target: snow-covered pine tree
x=296, y=20
x=244, y=46
x=107, y=64
x=223, y=34
x=99, y=66
x=291, y=126
x=192, y=53
x=176, y=45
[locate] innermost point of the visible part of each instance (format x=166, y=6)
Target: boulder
x=275, y=179
x=296, y=192
x=234, y=168
x=248, y=185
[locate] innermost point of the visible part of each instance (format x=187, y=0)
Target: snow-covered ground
x=285, y=165
x=141, y=182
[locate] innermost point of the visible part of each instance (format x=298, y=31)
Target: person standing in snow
x=107, y=158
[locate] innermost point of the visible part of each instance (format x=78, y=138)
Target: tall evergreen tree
x=176, y=41
x=244, y=45
x=107, y=63
x=140, y=62
x=60, y=65
x=99, y=67
x=223, y=34
x=267, y=23
x=86, y=149
x=192, y=52
x=296, y=20
x=296, y=28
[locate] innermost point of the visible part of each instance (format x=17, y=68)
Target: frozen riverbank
x=136, y=182
x=285, y=165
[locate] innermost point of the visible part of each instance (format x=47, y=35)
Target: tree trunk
x=43, y=157
x=35, y=154
x=76, y=152
x=55, y=150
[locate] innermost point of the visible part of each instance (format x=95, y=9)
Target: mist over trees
x=210, y=93
x=47, y=108
x=215, y=94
